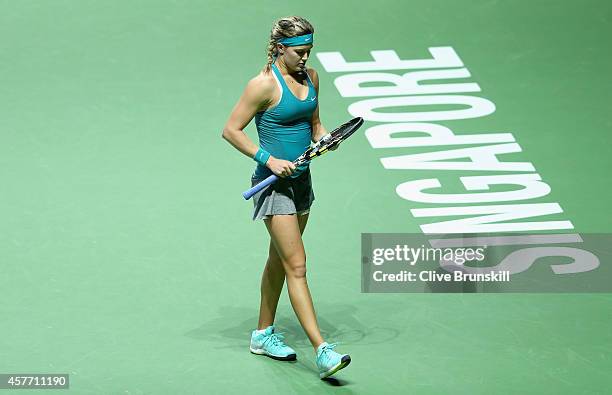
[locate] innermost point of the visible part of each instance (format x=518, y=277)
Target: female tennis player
x=283, y=101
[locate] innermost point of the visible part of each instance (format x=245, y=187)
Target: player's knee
x=296, y=268
x=298, y=271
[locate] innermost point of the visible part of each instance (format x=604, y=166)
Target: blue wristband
x=262, y=157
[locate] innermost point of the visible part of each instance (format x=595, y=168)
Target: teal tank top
x=285, y=130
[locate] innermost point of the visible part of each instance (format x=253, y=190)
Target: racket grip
x=270, y=180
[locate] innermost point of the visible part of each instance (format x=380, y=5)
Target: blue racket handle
x=270, y=180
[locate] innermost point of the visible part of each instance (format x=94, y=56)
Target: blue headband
x=295, y=41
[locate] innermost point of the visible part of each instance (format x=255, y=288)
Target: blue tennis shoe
x=329, y=361
x=271, y=344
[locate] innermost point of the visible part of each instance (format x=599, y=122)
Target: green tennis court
x=129, y=259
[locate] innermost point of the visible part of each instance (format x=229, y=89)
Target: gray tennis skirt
x=285, y=196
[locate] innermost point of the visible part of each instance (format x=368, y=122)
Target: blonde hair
x=290, y=26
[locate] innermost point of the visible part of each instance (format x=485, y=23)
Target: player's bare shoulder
x=264, y=82
x=263, y=87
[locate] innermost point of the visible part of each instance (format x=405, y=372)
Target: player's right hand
x=280, y=167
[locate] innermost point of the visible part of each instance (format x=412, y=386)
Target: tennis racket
x=329, y=141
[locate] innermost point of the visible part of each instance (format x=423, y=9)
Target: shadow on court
x=230, y=331
x=346, y=329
